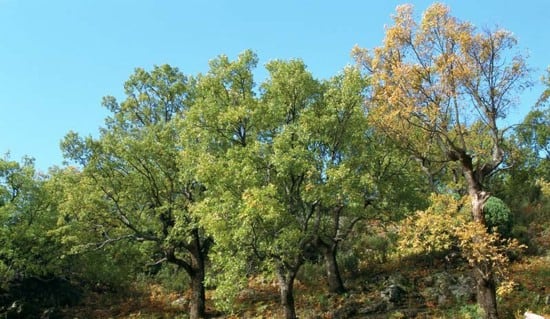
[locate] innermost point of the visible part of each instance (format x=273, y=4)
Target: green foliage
x=468, y=311
x=498, y=215
x=27, y=213
x=129, y=187
x=290, y=169
x=132, y=191
x=171, y=278
x=277, y=172
x=228, y=275
x=379, y=246
x=397, y=315
x=310, y=273
x=256, y=165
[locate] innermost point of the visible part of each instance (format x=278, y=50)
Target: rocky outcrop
x=409, y=297
x=444, y=288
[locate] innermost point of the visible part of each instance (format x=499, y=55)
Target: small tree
x=445, y=225
x=434, y=229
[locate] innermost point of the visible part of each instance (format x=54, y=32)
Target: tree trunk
x=198, y=251
x=478, y=199
x=286, y=288
x=197, y=306
x=335, y=284
x=486, y=286
x=486, y=296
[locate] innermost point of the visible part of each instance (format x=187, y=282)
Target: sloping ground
x=532, y=292
x=414, y=287
x=402, y=289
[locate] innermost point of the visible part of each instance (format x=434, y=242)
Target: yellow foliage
x=506, y=287
x=426, y=75
x=488, y=253
x=433, y=229
x=446, y=223
x=544, y=188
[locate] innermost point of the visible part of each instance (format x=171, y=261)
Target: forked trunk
x=286, y=288
x=196, y=270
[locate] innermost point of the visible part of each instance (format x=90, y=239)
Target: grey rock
x=444, y=288
x=393, y=293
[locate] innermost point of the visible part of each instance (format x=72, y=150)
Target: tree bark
x=198, y=251
x=335, y=283
x=486, y=286
x=197, y=307
x=486, y=295
x=286, y=288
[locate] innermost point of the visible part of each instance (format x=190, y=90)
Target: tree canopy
x=225, y=177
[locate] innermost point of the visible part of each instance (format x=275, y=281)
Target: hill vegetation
x=390, y=190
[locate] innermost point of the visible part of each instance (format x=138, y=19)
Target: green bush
x=498, y=215
x=310, y=273
x=173, y=278
x=469, y=311
x=348, y=262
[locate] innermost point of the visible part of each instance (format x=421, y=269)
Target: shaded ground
x=363, y=300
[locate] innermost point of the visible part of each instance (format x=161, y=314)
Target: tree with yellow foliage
x=440, y=88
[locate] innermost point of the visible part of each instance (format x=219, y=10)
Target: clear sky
x=59, y=57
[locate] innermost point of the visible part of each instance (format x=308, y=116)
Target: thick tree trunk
x=486, y=286
x=335, y=284
x=198, y=251
x=286, y=288
x=478, y=199
x=197, y=306
x=486, y=296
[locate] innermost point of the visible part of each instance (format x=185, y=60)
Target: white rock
x=530, y=315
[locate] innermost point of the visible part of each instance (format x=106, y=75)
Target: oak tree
x=440, y=88
x=133, y=186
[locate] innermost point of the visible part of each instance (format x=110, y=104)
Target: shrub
x=498, y=216
x=432, y=230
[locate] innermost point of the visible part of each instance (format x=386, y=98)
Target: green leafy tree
x=533, y=134
x=359, y=175
x=340, y=186
x=133, y=187
x=254, y=163
x=26, y=215
x=35, y=273
x=262, y=162
x=288, y=173
x=219, y=136
x=93, y=259
x=439, y=88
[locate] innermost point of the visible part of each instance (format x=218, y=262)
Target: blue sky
x=59, y=57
